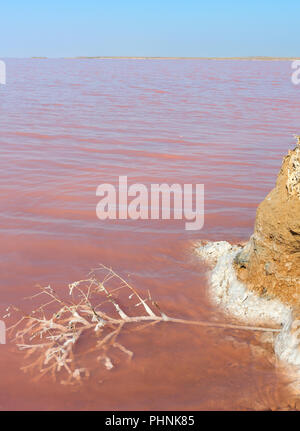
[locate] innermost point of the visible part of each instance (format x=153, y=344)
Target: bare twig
x=58, y=333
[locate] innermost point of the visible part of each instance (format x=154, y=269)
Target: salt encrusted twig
x=50, y=338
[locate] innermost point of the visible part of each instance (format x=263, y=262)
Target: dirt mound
x=270, y=262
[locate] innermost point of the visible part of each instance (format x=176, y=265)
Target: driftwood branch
x=49, y=334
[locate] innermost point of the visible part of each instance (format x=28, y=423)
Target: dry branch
x=50, y=338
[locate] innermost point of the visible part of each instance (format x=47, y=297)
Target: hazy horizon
x=125, y=57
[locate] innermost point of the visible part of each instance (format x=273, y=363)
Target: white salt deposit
x=236, y=300
x=228, y=292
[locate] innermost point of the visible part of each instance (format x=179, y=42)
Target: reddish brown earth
x=270, y=262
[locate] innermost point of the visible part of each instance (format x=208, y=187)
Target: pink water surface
x=67, y=126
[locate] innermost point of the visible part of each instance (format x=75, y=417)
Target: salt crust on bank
x=226, y=291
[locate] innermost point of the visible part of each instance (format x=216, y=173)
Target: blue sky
x=66, y=28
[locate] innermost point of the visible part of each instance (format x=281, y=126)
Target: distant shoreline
x=174, y=58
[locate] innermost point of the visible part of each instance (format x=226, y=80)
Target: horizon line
x=267, y=58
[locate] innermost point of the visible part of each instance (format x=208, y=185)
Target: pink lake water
x=67, y=126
